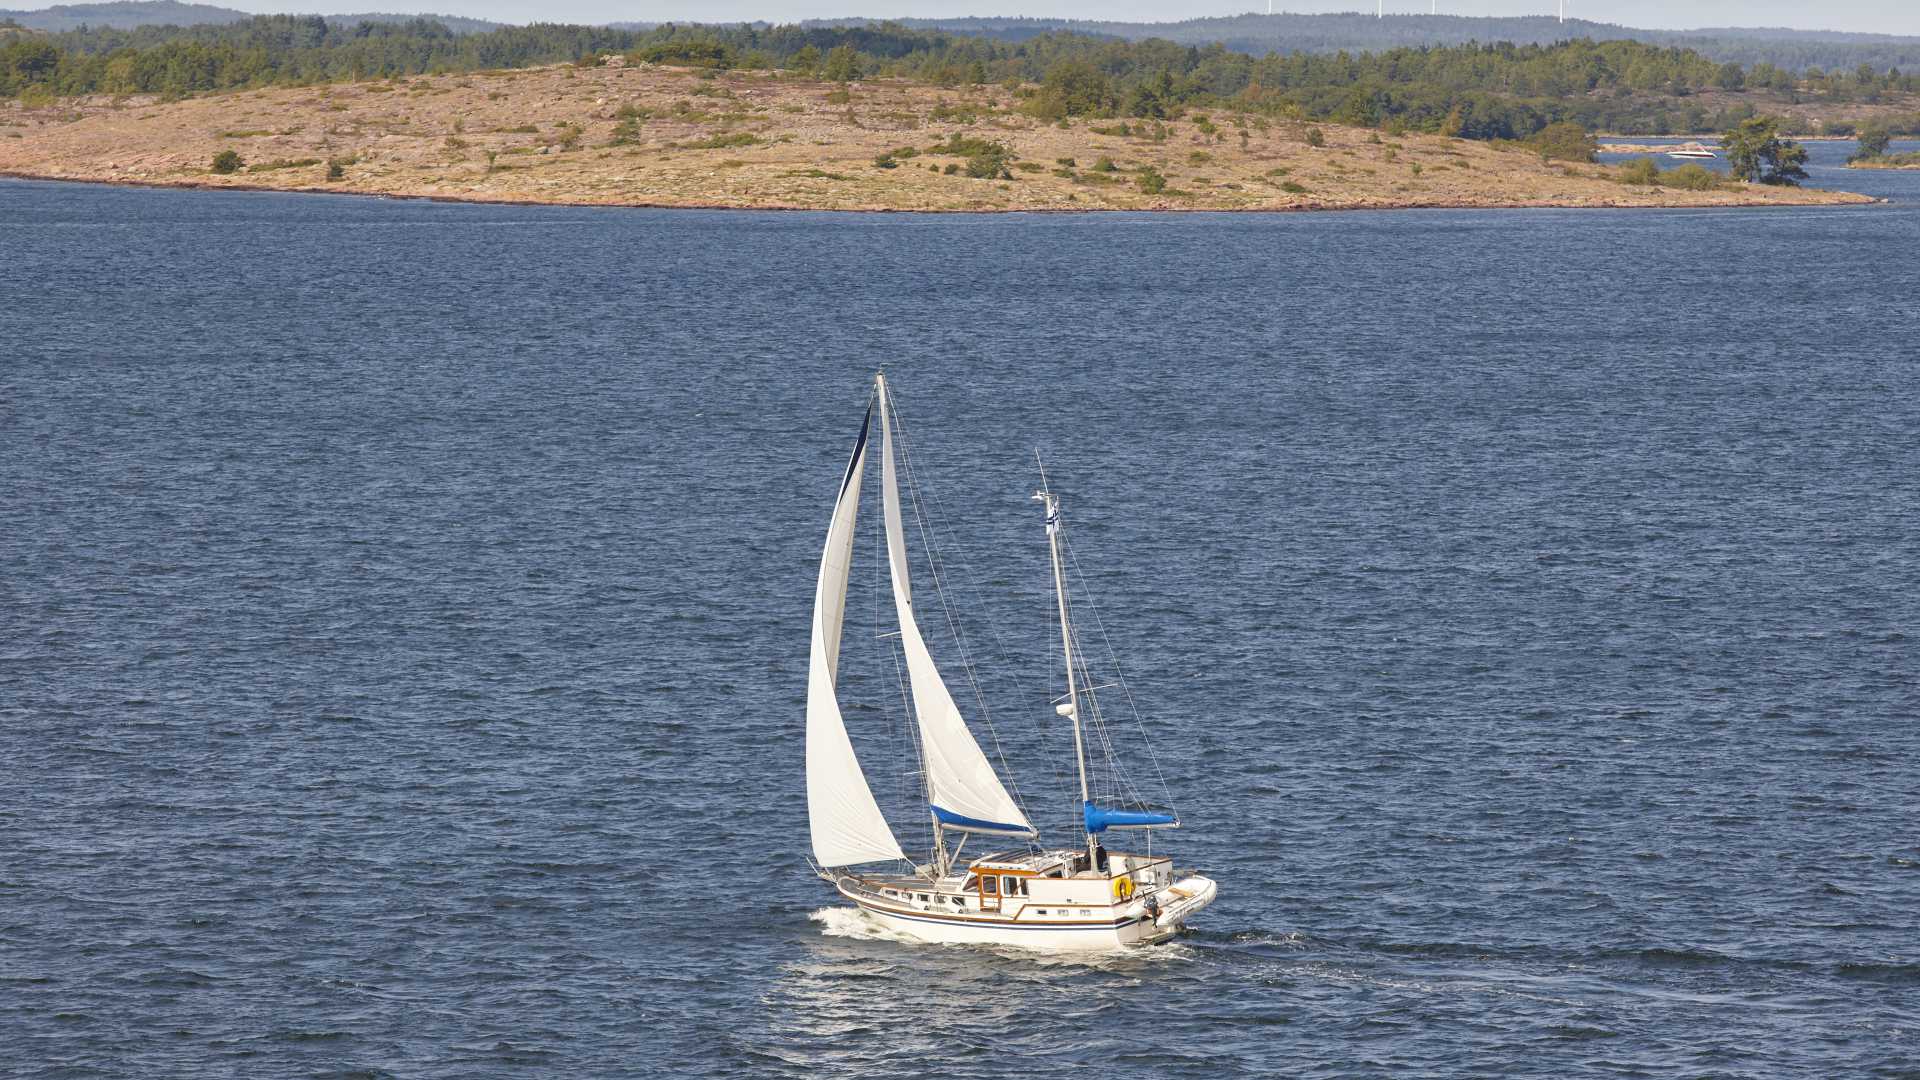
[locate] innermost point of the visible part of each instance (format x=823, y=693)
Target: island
x=616, y=133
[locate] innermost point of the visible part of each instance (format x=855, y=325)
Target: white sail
x=961, y=786
x=847, y=825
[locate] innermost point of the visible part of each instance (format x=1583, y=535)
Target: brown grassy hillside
x=676, y=137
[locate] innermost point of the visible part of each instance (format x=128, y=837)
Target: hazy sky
x=1875, y=16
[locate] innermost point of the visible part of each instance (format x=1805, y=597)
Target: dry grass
x=668, y=137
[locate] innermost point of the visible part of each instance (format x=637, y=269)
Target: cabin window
x=923, y=898
x=957, y=902
x=968, y=887
x=989, y=885
x=1011, y=886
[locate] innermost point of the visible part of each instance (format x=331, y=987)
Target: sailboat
x=1086, y=897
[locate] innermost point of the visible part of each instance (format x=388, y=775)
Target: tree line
x=1475, y=91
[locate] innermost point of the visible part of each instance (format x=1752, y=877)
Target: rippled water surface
x=403, y=623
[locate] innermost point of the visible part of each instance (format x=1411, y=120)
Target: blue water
x=403, y=623
x=1826, y=165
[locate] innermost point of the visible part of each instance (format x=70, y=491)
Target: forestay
x=962, y=788
x=847, y=825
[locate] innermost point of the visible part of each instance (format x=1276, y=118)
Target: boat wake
x=847, y=922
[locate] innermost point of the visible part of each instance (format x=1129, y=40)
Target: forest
x=1474, y=91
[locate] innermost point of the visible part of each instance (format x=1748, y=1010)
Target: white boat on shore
x=1049, y=898
x=1694, y=153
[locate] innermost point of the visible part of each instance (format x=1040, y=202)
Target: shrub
x=1564, y=141
x=1150, y=181
x=721, y=142
x=1691, y=177
x=988, y=167
x=337, y=168
x=1199, y=157
x=282, y=163
x=1105, y=164
x=885, y=161
x=1292, y=188
x=1641, y=170
x=226, y=161
x=951, y=169
x=1314, y=137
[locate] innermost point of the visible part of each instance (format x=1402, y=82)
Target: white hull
x=1094, y=928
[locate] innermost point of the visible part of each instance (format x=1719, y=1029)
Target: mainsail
x=848, y=827
x=962, y=788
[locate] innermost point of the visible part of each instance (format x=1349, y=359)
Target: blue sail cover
x=960, y=821
x=1100, y=819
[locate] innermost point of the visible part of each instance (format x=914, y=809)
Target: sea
x=404, y=614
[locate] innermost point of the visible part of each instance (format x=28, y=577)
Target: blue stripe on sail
x=948, y=817
x=859, y=447
x=1100, y=819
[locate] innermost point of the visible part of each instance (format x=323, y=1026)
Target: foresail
x=847, y=825
x=962, y=787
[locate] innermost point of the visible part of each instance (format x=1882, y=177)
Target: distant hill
x=125, y=14
x=1354, y=32
x=130, y=14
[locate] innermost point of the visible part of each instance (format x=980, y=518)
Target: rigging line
x=1116, y=780
x=1120, y=675
x=1060, y=775
x=935, y=557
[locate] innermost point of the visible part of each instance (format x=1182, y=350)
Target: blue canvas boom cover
x=1100, y=819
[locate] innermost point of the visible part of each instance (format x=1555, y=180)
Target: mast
x=1072, y=707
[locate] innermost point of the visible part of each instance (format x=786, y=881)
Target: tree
x=843, y=64
x=226, y=161
x=806, y=61
x=1074, y=88
x=1873, y=143
x=1757, y=154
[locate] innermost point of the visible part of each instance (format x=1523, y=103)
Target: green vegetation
x=1150, y=180
x=1564, y=141
x=986, y=160
x=1756, y=153
x=1875, y=140
x=281, y=163
x=1314, y=137
x=1873, y=143
x=1645, y=171
x=843, y=64
x=226, y=161
x=722, y=142
x=1479, y=91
